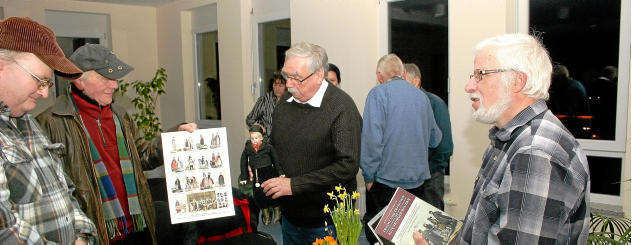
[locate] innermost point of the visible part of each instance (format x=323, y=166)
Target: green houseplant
x=608, y=230
x=147, y=93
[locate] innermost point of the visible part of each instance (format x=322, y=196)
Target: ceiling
x=132, y=2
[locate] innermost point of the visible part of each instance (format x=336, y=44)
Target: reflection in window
x=605, y=173
x=208, y=76
x=583, y=40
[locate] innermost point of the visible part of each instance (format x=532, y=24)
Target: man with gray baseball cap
x=106, y=155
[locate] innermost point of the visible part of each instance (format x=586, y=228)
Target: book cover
x=406, y=213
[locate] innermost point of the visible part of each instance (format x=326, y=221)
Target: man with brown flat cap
x=36, y=202
x=106, y=155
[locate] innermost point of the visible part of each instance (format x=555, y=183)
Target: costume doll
x=260, y=157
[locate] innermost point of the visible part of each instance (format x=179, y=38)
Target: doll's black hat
x=256, y=128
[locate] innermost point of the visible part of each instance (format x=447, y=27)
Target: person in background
x=105, y=153
x=398, y=128
x=438, y=157
x=333, y=75
x=261, y=113
x=36, y=201
x=534, y=185
x=317, y=138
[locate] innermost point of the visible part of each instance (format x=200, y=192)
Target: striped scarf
x=114, y=215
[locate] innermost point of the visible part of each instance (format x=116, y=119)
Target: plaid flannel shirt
x=36, y=203
x=533, y=186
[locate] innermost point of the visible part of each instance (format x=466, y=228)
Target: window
x=207, y=77
x=271, y=38
x=274, y=40
x=419, y=34
x=589, y=44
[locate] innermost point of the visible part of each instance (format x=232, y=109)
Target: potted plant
x=147, y=93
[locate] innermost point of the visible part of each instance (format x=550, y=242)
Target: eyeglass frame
x=285, y=76
x=42, y=82
x=478, y=76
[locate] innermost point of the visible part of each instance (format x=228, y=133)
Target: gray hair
x=412, y=71
x=7, y=54
x=525, y=54
x=390, y=65
x=317, y=55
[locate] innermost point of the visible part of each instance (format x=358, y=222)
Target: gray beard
x=490, y=115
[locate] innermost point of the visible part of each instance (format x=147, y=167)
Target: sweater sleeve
x=372, y=135
x=275, y=158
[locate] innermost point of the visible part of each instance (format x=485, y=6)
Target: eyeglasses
x=299, y=81
x=478, y=74
x=42, y=82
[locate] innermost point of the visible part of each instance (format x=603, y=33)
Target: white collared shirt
x=317, y=99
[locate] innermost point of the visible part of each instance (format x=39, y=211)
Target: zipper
x=101, y=130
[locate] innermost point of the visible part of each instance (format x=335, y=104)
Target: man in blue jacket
x=398, y=127
x=438, y=157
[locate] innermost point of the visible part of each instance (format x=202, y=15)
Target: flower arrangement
x=346, y=219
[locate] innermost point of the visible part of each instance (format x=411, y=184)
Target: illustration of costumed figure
x=260, y=157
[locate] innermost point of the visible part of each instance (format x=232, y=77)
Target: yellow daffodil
x=338, y=188
x=355, y=195
x=342, y=196
x=356, y=211
x=331, y=195
x=326, y=209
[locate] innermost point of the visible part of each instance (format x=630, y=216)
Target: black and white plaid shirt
x=36, y=203
x=533, y=186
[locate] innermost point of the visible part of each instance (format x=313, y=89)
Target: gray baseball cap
x=100, y=59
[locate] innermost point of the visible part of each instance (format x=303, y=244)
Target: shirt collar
x=526, y=115
x=317, y=99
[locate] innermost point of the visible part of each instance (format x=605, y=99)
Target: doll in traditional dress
x=261, y=158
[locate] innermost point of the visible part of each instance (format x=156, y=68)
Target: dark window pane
x=419, y=34
x=583, y=37
x=605, y=175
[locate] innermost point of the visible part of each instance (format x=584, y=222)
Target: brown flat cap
x=25, y=35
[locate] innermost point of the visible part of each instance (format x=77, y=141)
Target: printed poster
x=197, y=174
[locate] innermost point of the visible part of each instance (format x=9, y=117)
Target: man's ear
x=78, y=83
x=519, y=81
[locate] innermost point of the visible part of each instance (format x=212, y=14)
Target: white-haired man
x=534, y=183
x=317, y=137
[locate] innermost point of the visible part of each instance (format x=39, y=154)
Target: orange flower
x=318, y=241
x=330, y=240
